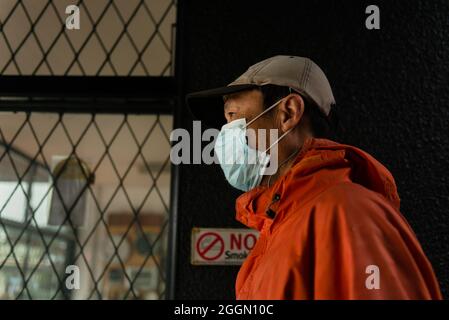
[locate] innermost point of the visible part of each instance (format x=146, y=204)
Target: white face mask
x=243, y=166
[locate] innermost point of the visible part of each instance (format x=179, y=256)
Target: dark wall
x=391, y=87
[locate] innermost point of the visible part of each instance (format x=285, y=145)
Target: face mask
x=243, y=166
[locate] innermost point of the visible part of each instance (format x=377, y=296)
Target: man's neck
x=284, y=166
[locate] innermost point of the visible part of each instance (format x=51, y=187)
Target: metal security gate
x=85, y=172
x=125, y=214
x=115, y=38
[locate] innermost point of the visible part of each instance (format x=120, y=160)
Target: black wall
x=391, y=86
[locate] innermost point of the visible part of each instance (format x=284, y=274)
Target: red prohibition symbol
x=216, y=239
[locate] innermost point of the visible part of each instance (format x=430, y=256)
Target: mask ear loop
x=285, y=133
x=283, y=162
x=290, y=90
x=265, y=111
x=279, y=139
x=261, y=114
x=282, y=136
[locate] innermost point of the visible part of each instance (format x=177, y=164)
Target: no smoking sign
x=221, y=246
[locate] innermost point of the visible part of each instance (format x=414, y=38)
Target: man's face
x=249, y=104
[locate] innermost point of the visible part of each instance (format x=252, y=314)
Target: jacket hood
x=342, y=163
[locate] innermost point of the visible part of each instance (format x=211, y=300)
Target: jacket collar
x=304, y=180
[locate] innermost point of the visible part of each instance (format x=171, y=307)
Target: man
x=329, y=220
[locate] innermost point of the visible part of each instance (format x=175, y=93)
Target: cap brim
x=207, y=105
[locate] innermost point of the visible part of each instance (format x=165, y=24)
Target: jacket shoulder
x=355, y=204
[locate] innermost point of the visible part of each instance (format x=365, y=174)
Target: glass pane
x=102, y=37
x=94, y=195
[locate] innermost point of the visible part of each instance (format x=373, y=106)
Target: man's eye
x=231, y=114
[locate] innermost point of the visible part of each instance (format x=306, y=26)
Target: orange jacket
x=336, y=215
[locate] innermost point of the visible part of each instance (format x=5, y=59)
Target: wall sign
x=211, y=246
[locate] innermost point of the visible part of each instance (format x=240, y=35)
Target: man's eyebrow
x=226, y=106
x=226, y=101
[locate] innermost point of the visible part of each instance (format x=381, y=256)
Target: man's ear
x=291, y=112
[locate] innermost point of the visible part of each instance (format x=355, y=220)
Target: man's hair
x=322, y=126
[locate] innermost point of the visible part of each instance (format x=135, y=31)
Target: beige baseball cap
x=299, y=73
